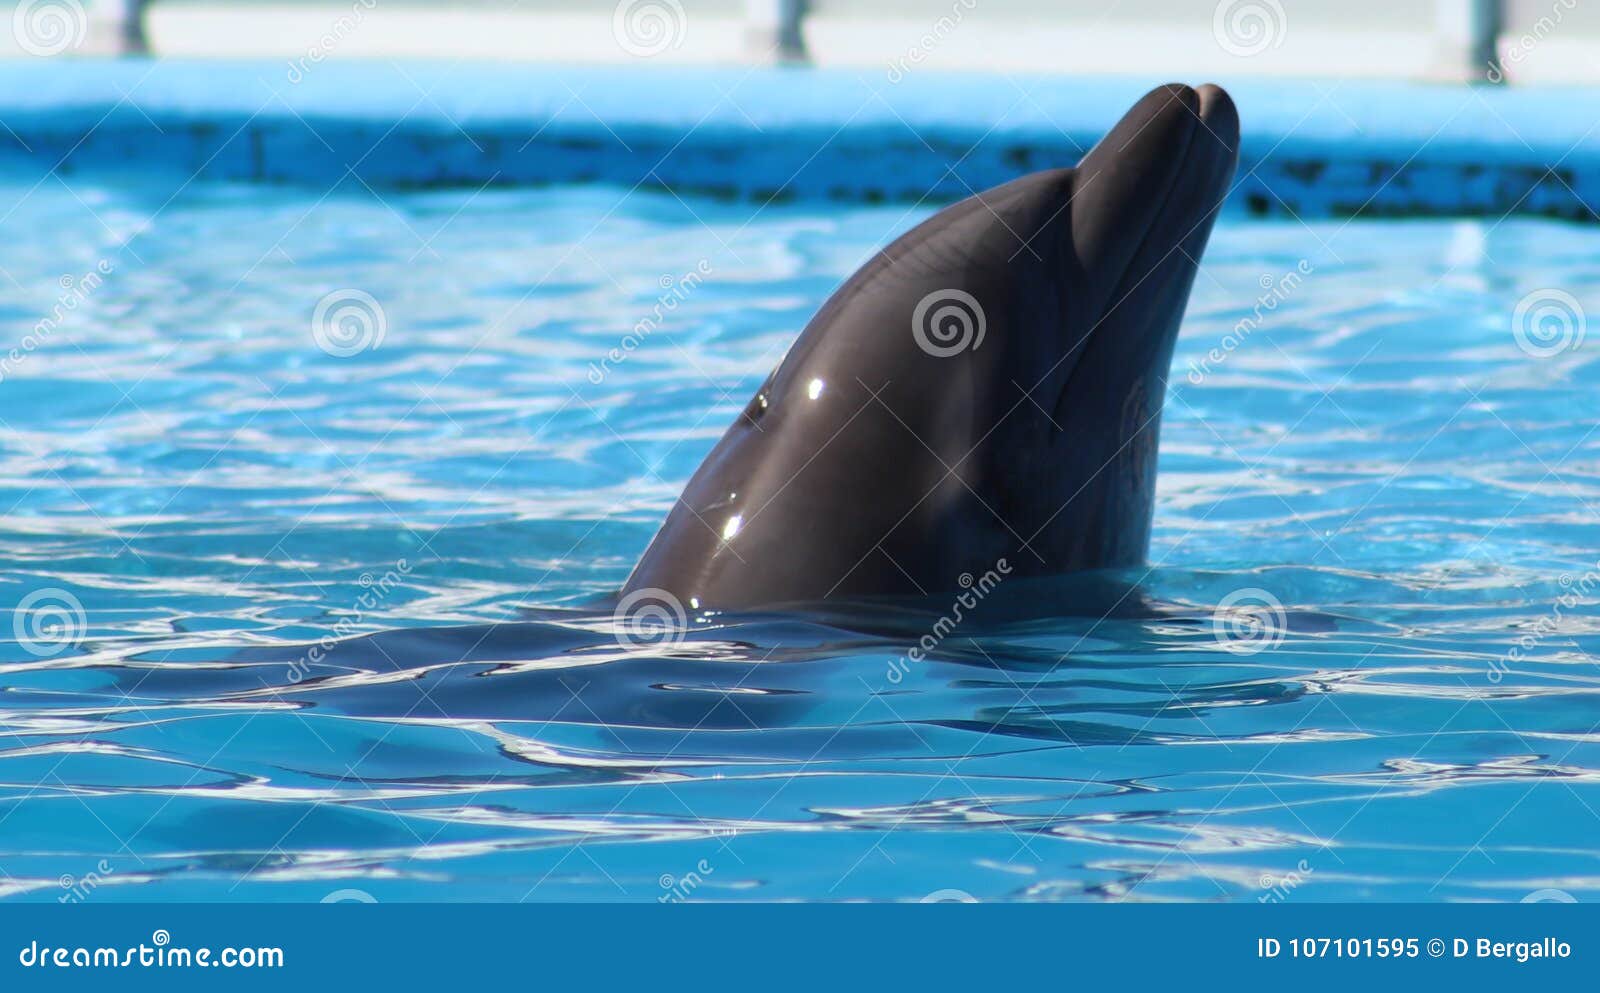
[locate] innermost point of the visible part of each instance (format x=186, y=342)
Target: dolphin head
x=982, y=396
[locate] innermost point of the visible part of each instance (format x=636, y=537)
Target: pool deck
x=1309, y=148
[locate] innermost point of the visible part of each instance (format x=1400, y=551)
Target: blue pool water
x=1391, y=494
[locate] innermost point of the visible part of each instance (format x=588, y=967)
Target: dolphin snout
x=1216, y=146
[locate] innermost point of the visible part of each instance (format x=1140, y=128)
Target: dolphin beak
x=1153, y=182
x=1143, y=203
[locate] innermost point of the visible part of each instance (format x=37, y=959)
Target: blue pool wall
x=1310, y=148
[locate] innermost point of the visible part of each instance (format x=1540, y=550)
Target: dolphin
x=981, y=399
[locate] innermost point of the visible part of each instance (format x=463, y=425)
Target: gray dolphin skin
x=984, y=393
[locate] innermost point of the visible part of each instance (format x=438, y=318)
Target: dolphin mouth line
x=1120, y=295
x=1186, y=159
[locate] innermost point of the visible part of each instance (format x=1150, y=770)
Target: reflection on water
x=298, y=625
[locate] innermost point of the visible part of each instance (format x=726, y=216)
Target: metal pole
x=775, y=29
x=1467, y=34
x=116, y=27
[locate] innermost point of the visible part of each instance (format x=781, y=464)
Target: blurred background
x=1538, y=40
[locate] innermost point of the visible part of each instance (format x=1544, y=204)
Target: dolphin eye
x=756, y=408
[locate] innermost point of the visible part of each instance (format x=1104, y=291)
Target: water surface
x=1394, y=495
